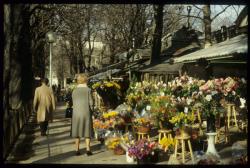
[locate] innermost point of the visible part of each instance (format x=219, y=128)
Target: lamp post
x=51, y=40
x=188, y=9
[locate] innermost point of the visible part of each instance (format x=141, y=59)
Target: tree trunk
x=207, y=24
x=156, y=47
x=18, y=78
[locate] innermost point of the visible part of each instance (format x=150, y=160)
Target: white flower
x=185, y=110
x=214, y=92
x=189, y=101
x=164, y=85
x=233, y=92
x=242, y=102
x=194, y=93
x=162, y=93
x=208, y=97
x=200, y=93
x=179, y=99
x=243, y=80
x=148, y=107
x=166, y=105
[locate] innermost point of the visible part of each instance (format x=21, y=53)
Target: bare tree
x=156, y=46
x=207, y=20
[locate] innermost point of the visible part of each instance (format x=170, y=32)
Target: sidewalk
x=58, y=147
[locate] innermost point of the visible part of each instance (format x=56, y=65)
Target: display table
x=211, y=144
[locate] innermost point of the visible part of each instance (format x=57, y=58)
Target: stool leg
x=217, y=136
x=175, y=150
x=139, y=136
x=228, y=115
x=191, y=151
x=183, y=151
x=226, y=134
x=159, y=137
x=170, y=136
x=234, y=113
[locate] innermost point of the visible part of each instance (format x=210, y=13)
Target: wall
x=225, y=70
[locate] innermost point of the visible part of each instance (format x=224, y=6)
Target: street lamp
x=189, y=10
x=51, y=39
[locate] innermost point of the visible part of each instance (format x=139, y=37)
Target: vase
x=165, y=124
x=154, y=156
x=144, y=160
x=211, y=123
x=184, y=132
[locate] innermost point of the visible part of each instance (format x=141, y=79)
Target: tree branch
x=185, y=15
x=197, y=7
x=220, y=12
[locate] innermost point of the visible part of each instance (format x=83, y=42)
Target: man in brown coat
x=44, y=105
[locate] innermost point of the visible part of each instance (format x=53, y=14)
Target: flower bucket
x=183, y=132
x=154, y=156
x=211, y=124
x=145, y=160
x=143, y=129
x=129, y=159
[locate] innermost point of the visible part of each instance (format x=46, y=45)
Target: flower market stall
x=176, y=106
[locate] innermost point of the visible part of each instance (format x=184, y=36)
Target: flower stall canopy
x=164, y=67
x=103, y=75
x=238, y=44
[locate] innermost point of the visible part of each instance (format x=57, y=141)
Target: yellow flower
x=96, y=85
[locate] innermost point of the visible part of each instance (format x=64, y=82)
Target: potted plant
x=142, y=124
x=162, y=109
x=181, y=120
x=142, y=151
x=210, y=98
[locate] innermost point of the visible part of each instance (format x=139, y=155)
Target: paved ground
x=58, y=147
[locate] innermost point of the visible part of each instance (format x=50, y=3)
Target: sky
x=227, y=18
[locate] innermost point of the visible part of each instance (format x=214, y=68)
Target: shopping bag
x=68, y=113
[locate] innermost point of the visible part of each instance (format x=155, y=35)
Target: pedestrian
x=58, y=93
x=44, y=105
x=82, y=124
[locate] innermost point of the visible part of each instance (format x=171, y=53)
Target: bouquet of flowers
x=162, y=108
x=144, y=122
x=210, y=96
x=109, y=91
x=98, y=124
x=182, y=119
x=141, y=149
x=167, y=143
x=110, y=114
x=229, y=89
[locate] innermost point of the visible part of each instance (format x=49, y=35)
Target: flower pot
x=183, y=132
x=154, y=157
x=211, y=123
x=165, y=124
x=143, y=129
x=127, y=119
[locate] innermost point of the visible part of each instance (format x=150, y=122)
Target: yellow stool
x=164, y=133
x=182, y=140
x=231, y=113
x=142, y=135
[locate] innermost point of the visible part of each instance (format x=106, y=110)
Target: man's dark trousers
x=43, y=127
